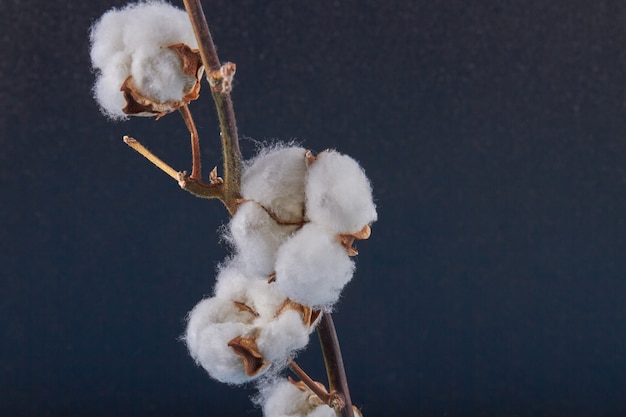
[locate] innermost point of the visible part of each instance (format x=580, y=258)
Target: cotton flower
x=275, y=179
x=144, y=58
x=312, y=267
x=338, y=194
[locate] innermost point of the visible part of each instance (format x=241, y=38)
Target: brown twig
x=196, y=165
x=223, y=103
x=308, y=381
x=337, y=381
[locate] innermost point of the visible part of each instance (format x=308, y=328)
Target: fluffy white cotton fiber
x=275, y=179
x=253, y=291
x=257, y=237
x=212, y=324
x=284, y=399
x=312, y=267
x=338, y=194
x=281, y=337
x=133, y=41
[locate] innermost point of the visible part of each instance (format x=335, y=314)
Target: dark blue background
x=494, y=133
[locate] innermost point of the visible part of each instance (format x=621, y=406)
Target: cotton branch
x=220, y=78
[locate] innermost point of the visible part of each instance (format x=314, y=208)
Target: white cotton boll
x=312, y=267
x=257, y=237
x=283, y=399
x=136, y=39
x=253, y=291
x=158, y=75
x=275, y=179
x=212, y=324
x=281, y=337
x=338, y=194
x=322, y=411
x=156, y=24
x=107, y=88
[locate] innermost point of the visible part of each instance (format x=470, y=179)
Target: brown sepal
x=246, y=308
x=139, y=105
x=309, y=315
x=348, y=239
x=247, y=349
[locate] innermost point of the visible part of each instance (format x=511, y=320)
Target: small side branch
x=196, y=165
x=197, y=188
x=158, y=162
x=216, y=75
x=308, y=381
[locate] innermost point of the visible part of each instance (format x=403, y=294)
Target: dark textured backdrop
x=494, y=133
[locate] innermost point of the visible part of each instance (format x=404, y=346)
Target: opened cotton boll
x=256, y=238
x=263, y=298
x=212, y=325
x=280, y=338
x=144, y=60
x=285, y=399
x=338, y=194
x=275, y=179
x=312, y=267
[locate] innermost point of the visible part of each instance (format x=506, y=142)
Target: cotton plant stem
x=308, y=381
x=196, y=165
x=223, y=105
x=337, y=380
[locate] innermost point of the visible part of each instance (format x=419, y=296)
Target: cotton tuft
x=280, y=338
x=275, y=179
x=312, y=267
x=338, y=194
x=284, y=399
x=257, y=237
x=133, y=41
x=212, y=324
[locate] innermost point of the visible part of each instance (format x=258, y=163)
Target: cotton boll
x=275, y=179
x=284, y=399
x=212, y=324
x=154, y=24
x=107, y=88
x=257, y=237
x=135, y=39
x=253, y=291
x=338, y=194
x=322, y=411
x=281, y=337
x=312, y=267
x=159, y=75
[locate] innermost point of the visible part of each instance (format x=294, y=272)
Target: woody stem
x=337, y=380
x=196, y=166
x=223, y=106
x=308, y=381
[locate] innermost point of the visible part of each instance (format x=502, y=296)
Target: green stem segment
x=223, y=105
x=337, y=380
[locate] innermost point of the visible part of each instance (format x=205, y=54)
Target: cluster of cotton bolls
x=292, y=236
x=145, y=58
